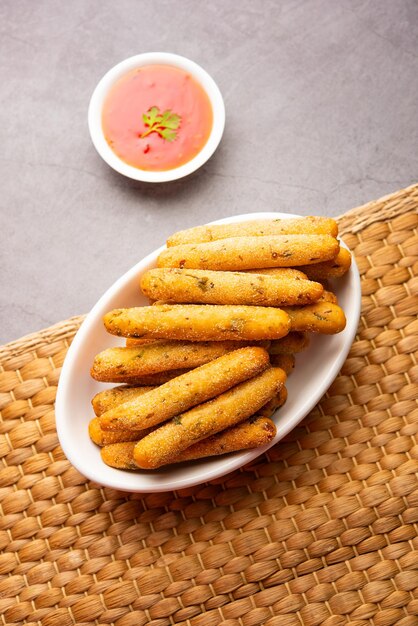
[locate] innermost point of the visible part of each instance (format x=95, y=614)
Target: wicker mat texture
x=321, y=531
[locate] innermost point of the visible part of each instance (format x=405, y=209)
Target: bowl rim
x=230, y=463
x=155, y=58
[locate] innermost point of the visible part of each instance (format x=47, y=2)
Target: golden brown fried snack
x=209, y=287
x=272, y=405
x=255, y=228
x=285, y=361
x=246, y=253
x=195, y=322
x=120, y=364
x=335, y=268
x=109, y=398
x=105, y=437
x=232, y=407
x=279, y=272
x=180, y=394
x=293, y=342
x=134, y=343
x=120, y=455
x=322, y=317
x=153, y=380
x=253, y=433
x=329, y=296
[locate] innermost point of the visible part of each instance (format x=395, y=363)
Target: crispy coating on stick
x=293, y=342
x=133, y=343
x=153, y=380
x=105, y=437
x=322, y=317
x=285, y=361
x=120, y=455
x=118, y=364
x=196, y=322
x=280, y=272
x=109, y=398
x=210, y=287
x=255, y=228
x=272, y=405
x=232, y=407
x=329, y=296
x=252, y=433
x=335, y=268
x=183, y=392
x=246, y=253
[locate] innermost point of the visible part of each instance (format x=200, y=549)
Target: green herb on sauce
x=165, y=124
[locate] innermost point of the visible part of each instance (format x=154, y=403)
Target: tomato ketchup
x=157, y=117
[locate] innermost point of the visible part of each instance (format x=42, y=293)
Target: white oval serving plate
x=315, y=370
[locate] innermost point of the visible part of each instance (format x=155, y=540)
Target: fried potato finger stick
x=293, y=342
x=210, y=287
x=285, y=361
x=196, y=322
x=279, y=272
x=183, y=392
x=330, y=269
x=253, y=433
x=109, y=398
x=133, y=343
x=152, y=380
x=118, y=364
x=105, y=437
x=272, y=405
x=329, y=296
x=255, y=228
x=232, y=407
x=322, y=317
x=246, y=253
x=120, y=455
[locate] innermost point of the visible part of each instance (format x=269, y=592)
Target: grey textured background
x=322, y=115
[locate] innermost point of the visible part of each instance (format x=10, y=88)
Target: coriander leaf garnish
x=165, y=124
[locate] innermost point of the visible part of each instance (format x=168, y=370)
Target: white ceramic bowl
x=316, y=368
x=155, y=58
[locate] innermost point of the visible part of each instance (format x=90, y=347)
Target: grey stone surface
x=322, y=115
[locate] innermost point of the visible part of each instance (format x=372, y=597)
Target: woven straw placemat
x=321, y=531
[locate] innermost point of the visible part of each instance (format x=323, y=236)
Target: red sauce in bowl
x=181, y=101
